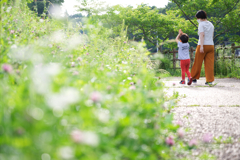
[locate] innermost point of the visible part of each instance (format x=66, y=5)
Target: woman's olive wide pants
x=208, y=57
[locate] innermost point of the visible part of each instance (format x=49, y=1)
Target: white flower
x=66, y=152
x=41, y=20
x=103, y=115
x=129, y=78
x=46, y=156
x=14, y=46
x=90, y=138
x=66, y=97
x=124, y=62
x=8, y=9
x=36, y=113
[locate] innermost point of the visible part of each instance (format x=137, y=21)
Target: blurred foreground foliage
x=78, y=92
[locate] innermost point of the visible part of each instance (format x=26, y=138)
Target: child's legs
x=183, y=69
x=187, y=68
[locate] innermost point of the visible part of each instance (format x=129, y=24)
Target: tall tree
x=224, y=14
x=41, y=6
x=144, y=22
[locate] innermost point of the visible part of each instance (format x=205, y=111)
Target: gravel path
x=214, y=110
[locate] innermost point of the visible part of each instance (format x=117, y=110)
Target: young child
x=183, y=55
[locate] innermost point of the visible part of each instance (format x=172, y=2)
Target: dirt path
x=214, y=110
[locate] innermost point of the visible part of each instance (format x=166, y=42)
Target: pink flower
x=132, y=87
x=180, y=132
x=96, y=97
x=32, y=31
x=12, y=31
x=192, y=143
x=7, y=68
x=87, y=53
x=170, y=141
x=131, y=83
x=79, y=59
x=77, y=136
x=179, y=123
x=124, y=42
x=207, y=138
x=174, y=84
x=75, y=73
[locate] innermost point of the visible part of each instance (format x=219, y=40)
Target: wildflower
x=131, y=83
x=7, y=68
x=79, y=59
x=85, y=137
x=87, y=53
x=8, y=9
x=170, y=141
x=103, y=115
x=174, y=84
x=95, y=97
x=132, y=87
x=72, y=64
x=207, y=138
x=75, y=73
x=32, y=31
x=180, y=133
x=192, y=143
x=179, y=123
x=129, y=78
x=77, y=136
x=50, y=45
x=12, y=32
x=125, y=42
x=66, y=152
x=14, y=46
x=41, y=20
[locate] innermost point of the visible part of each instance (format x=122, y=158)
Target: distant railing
x=192, y=50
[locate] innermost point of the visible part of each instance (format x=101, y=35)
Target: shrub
x=67, y=95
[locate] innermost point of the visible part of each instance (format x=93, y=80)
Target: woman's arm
x=201, y=42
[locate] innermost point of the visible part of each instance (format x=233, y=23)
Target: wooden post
x=233, y=55
x=191, y=56
x=223, y=52
x=174, y=59
x=233, y=49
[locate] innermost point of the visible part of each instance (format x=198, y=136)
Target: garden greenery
x=76, y=92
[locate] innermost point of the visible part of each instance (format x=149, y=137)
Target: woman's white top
x=208, y=29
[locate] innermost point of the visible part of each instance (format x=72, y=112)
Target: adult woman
x=205, y=49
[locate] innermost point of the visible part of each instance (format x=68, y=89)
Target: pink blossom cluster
x=7, y=68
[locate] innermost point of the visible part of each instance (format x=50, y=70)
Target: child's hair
x=201, y=14
x=184, y=38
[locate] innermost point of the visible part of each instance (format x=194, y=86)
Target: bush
x=67, y=95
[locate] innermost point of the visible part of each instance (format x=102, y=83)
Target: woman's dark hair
x=184, y=38
x=201, y=14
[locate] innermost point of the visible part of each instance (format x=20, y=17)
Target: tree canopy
x=224, y=14
x=41, y=6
